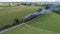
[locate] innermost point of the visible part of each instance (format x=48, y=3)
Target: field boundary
x=11, y=28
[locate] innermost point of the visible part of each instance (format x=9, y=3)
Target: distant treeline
x=24, y=3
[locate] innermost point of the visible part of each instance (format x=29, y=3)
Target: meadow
x=8, y=14
x=46, y=24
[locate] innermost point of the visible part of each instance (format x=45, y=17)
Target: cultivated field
x=8, y=14
x=45, y=24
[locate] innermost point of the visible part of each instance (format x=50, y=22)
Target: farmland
x=45, y=24
x=48, y=23
x=8, y=14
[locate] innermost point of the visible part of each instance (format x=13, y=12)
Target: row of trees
x=16, y=22
x=27, y=4
x=10, y=4
x=24, y=3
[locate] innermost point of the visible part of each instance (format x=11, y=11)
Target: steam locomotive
x=53, y=7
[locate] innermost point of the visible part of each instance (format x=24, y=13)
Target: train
x=39, y=12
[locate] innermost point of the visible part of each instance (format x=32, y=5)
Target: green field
x=8, y=14
x=45, y=24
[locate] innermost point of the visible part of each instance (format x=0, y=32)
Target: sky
x=29, y=0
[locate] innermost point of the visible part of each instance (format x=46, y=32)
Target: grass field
x=8, y=14
x=45, y=24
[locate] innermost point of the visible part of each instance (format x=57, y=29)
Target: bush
x=5, y=27
x=1, y=29
x=58, y=12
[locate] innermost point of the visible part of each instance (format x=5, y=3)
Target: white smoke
x=43, y=11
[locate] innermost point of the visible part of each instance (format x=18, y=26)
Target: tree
x=18, y=4
x=9, y=4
